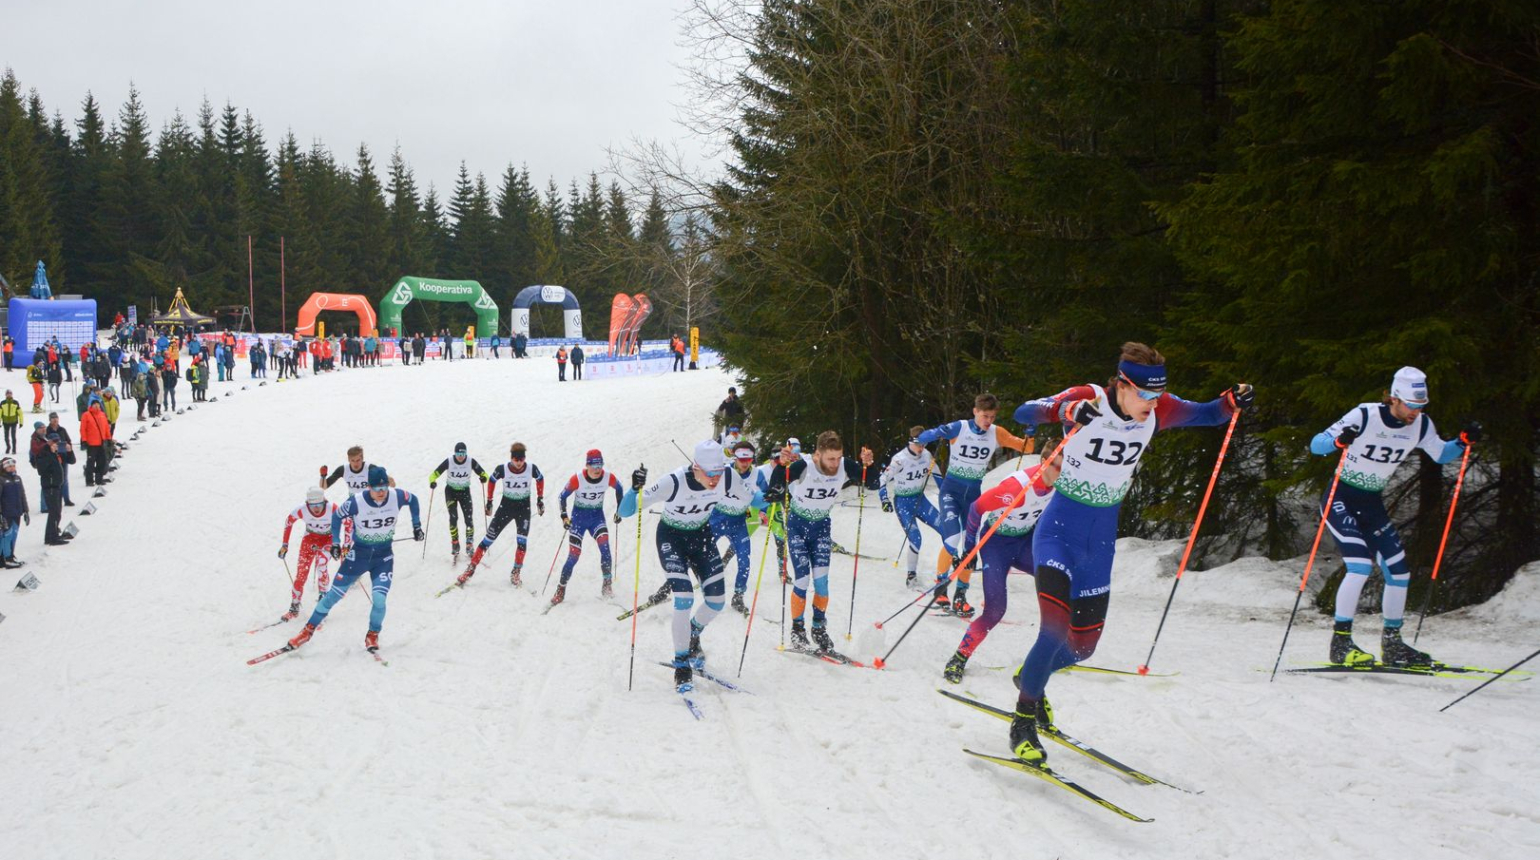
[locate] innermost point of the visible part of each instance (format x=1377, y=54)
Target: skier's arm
x=561, y=501
x=1050, y=410
x=1325, y=441
x=334, y=477
x=289, y=525
x=497, y=475
x=949, y=430
x=441, y=469
x=341, y=512
x=630, y=503
x=539, y=482
x=476, y=467
x=1172, y=411
x=783, y=476
x=1015, y=443
x=1442, y=452
x=862, y=476
x=620, y=492
x=410, y=500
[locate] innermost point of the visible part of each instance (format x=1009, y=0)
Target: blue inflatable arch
x=547, y=294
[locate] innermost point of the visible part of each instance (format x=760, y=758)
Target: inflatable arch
x=572, y=317
x=318, y=302
x=436, y=290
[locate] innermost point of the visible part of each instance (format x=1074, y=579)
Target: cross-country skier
x=354, y=473
x=810, y=487
x=788, y=453
x=1009, y=548
x=457, y=470
x=1374, y=439
x=728, y=520
x=903, y=493
x=518, y=480
x=374, y=514
x=685, y=545
x=1074, y=542
x=316, y=514
x=587, y=489
x=974, y=442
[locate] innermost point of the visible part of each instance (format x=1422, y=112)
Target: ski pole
x=856, y=572
x=1144, y=668
x=1325, y=512
x=786, y=537
x=1448, y=521
x=959, y=564
x=753, y=604
x=552, y=568
x=882, y=662
x=1496, y=677
x=636, y=588
x=286, y=572
x=430, y=523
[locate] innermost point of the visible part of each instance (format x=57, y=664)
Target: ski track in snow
x=134, y=729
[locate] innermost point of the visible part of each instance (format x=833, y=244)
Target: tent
x=180, y=314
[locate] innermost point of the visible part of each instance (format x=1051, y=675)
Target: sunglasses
x=518, y=459
x=1143, y=394
x=714, y=473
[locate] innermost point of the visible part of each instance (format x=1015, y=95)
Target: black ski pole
x=1496, y=677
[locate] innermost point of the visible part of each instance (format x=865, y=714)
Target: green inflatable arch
x=437, y=290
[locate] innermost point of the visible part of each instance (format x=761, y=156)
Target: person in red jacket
x=96, y=435
x=561, y=364
x=316, y=514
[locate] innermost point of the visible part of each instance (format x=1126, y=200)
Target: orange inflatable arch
x=358, y=305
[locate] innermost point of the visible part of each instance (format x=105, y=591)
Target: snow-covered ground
x=131, y=726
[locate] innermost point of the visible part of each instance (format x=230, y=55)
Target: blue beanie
x=378, y=480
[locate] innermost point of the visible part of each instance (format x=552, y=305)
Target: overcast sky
x=551, y=84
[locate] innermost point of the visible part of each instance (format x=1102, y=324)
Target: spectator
x=83, y=399
x=10, y=350
x=55, y=379
x=111, y=406
x=56, y=429
x=496, y=342
x=152, y=388
x=678, y=347
x=730, y=410
x=577, y=361
x=36, y=377
x=95, y=435
x=168, y=386
x=140, y=391
x=51, y=467
x=13, y=511
x=196, y=373
x=561, y=364
x=10, y=416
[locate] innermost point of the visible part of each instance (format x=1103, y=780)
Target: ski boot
x=943, y=602
x=372, y=641
x=292, y=613
x=1394, y=652
x=1044, y=714
x=1024, y=741
x=682, y=675
x=822, y=640
x=738, y=603
x=560, y=595
x=911, y=579
x=607, y=588
x=799, y=636
x=513, y=575
x=954, y=668
x=454, y=548
x=1343, y=650
x=302, y=636
x=695, y=656
x=960, y=605
x=465, y=576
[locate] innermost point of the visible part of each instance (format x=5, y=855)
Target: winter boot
x=513, y=575
x=372, y=641
x=560, y=595
x=302, y=636
x=821, y=639
x=1024, y=741
x=607, y=588
x=799, y=636
x=682, y=675
x=954, y=668
x=738, y=603
x=1395, y=652
x=1343, y=651
x=293, y=611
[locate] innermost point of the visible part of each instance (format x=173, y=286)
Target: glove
x=418, y=534
x=26, y=518
x=1241, y=395
x=489, y=508
x=639, y=479
x=1346, y=437
x=1082, y=412
x=566, y=521
x=775, y=495
x=540, y=506
x=323, y=472
x=1471, y=434
x=433, y=485
x=283, y=550
x=617, y=519
x=887, y=506
x=336, y=552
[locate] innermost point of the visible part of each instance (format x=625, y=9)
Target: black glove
x=775, y=495
x=887, y=506
x=336, y=552
x=566, y=521
x=1082, y=412
x=1346, y=437
x=489, y=507
x=540, y=506
x=639, y=479
x=418, y=534
x=1471, y=434
x=617, y=519
x=1242, y=395
x=283, y=550
x=433, y=485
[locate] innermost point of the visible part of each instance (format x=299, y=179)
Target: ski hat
x=315, y=496
x=744, y=450
x=378, y=480
x=1410, y=387
x=709, y=456
x=794, y=444
x=4, y=460
x=1150, y=377
x=460, y=450
x=594, y=458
